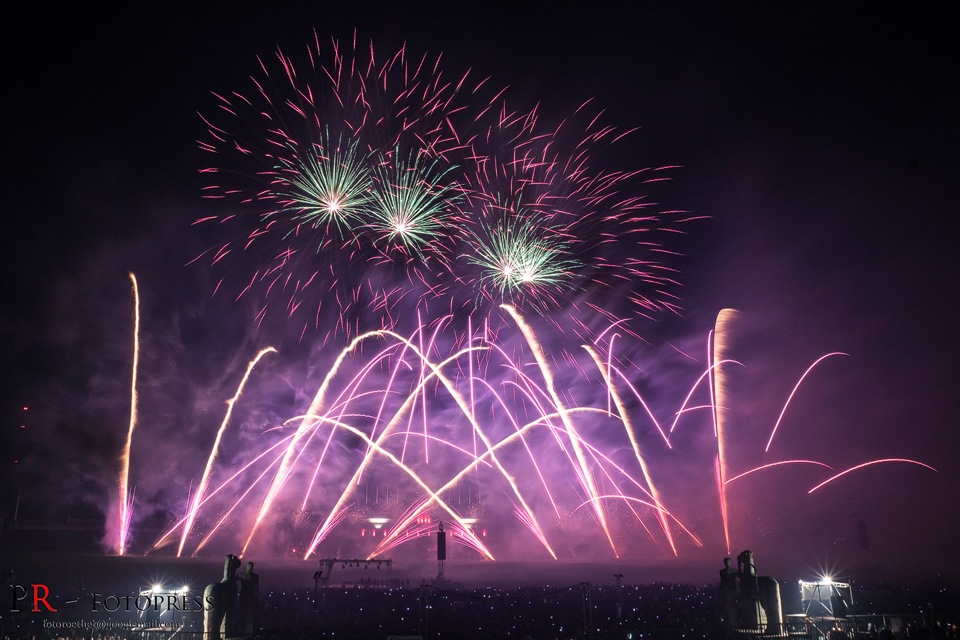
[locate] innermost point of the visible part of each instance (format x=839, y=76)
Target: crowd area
x=658, y=611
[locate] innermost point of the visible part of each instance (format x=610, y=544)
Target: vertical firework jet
x=722, y=339
x=126, y=500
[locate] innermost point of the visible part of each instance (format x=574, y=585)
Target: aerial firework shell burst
x=358, y=180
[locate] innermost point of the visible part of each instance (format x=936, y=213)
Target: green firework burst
x=521, y=257
x=325, y=185
x=411, y=203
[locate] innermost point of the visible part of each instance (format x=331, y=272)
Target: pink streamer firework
x=550, y=455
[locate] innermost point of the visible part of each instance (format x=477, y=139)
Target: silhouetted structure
x=728, y=594
x=249, y=601
x=220, y=601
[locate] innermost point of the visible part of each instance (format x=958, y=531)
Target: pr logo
x=20, y=593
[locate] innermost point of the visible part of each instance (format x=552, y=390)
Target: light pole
x=618, y=576
x=317, y=575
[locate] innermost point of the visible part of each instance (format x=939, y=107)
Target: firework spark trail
x=236, y=504
x=462, y=537
x=464, y=408
x=383, y=401
x=630, y=385
x=285, y=466
x=712, y=406
x=473, y=402
x=126, y=501
x=777, y=464
x=167, y=537
x=795, y=387
x=867, y=464
x=342, y=402
x=331, y=523
x=198, y=496
x=531, y=526
x=544, y=401
x=526, y=446
x=447, y=443
x=628, y=426
x=545, y=419
x=536, y=394
x=609, y=364
x=529, y=389
x=405, y=407
x=597, y=455
x=571, y=430
x=410, y=472
x=426, y=528
x=411, y=512
x=659, y=510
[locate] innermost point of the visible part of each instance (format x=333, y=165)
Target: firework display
x=451, y=242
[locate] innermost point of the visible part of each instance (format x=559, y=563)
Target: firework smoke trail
x=192, y=513
x=126, y=500
x=587, y=477
x=721, y=343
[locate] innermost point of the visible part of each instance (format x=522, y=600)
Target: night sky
x=820, y=143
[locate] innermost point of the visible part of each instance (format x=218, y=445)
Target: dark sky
x=821, y=141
